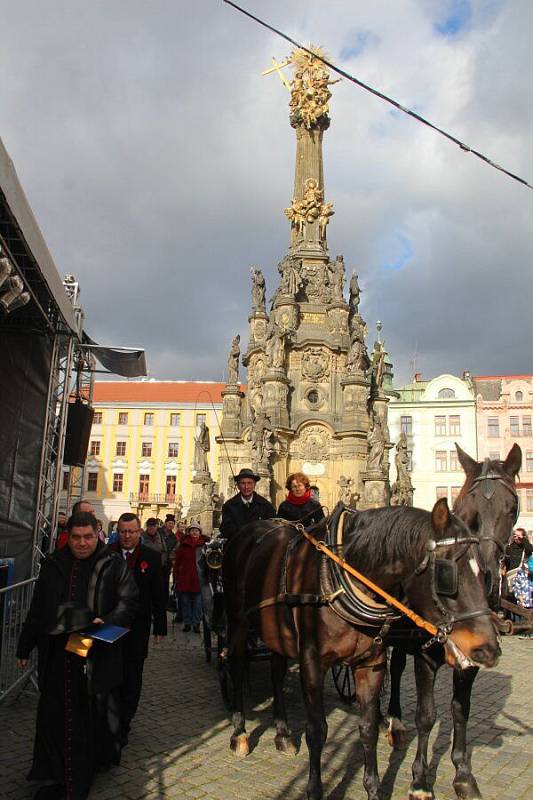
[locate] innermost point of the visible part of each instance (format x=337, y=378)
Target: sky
x=158, y=161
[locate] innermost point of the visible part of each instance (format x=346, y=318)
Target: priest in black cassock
x=78, y=725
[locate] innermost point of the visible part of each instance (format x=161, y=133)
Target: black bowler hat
x=71, y=618
x=247, y=473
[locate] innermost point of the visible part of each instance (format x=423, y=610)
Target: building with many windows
x=504, y=408
x=141, y=449
x=434, y=415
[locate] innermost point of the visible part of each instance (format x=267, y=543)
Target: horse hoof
x=421, y=794
x=396, y=734
x=239, y=745
x=467, y=790
x=285, y=745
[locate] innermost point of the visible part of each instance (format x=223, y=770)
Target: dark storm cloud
x=158, y=162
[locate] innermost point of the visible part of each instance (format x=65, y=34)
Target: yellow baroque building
x=141, y=449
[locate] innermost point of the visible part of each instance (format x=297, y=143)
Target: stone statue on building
x=346, y=491
x=376, y=446
x=275, y=346
x=290, y=277
x=336, y=279
x=402, y=489
x=233, y=360
x=258, y=289
x=357, y=360
x=378, y=366
x=201, y=448
x=261, y=438
x=355, y=294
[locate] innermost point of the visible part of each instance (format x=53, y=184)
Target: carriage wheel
x=224, y=677
x=206, y=639
x=344, y=684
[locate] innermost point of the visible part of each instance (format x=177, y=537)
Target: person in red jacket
x=186, y=580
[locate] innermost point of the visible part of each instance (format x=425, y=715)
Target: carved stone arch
x=312, y=442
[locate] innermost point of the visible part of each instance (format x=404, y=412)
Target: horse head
x=450, y=592
x=488, y=504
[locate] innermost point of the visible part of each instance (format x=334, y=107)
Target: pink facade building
x=504, y=412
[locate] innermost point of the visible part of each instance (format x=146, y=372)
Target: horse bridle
x=486, y=480
x=430, y=560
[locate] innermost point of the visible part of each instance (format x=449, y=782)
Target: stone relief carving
x=346, y=491
x=233, y=360
x=258, y=289
x=336, y=320
x=287, y=318
x=256, y=370
x=315, y=363
x=316, y=287
x=313, y=444
x=259, y=329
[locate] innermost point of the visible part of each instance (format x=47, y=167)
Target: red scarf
x=299, y=501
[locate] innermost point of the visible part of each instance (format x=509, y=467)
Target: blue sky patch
x=455, y=16
x=357, y=41
x=396, y=251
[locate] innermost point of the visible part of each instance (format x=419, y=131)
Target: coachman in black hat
x=246, y=506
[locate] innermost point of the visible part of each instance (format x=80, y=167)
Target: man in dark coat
x=145, y=566
x=77, y=729
x=246, y=506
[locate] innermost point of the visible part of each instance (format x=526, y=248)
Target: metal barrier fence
x=14, y=604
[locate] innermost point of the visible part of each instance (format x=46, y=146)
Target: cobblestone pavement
x=179, y=743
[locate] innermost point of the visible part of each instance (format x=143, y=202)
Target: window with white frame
x=92, y=481
x=441, y=461
x=118, y=481
x=454, y=425
x=493, y=426
x=440, y=426
x=406, y=425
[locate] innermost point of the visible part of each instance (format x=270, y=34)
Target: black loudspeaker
x=79, y=423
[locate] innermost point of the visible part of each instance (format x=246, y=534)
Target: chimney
x=418, y=377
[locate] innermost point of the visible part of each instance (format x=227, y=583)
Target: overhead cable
x=466, y=148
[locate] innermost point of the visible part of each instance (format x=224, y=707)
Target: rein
x=389, y=599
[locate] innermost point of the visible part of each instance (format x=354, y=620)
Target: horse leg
x=239, y=743
x=464, y=783
x=425, y=719
x=368, y=682
x=316, y=729
x=278, y=670
x=396, y=728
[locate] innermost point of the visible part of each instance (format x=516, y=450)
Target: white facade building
x=434, y=415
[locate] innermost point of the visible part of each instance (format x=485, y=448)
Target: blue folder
x=106, y=633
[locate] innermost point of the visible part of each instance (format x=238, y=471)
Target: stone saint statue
x=275, y=346
x=258, y=289
x=290, y=278
x=201, y=448
x=261, y=437
x=357, y=360
x=378, y=365
x=233, y=360
x=336, y=278
x=355, y=294
x=402, y=489
x=376, y=444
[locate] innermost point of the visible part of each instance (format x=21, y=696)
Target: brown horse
x=488, y=504
x=278, y=584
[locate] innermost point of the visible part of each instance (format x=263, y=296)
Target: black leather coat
x=112, y=595
x=309, y=512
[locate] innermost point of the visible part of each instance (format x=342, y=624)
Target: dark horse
x=278, y=584
x=488, y=504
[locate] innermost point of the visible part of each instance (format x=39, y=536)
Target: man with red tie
x=145, y=566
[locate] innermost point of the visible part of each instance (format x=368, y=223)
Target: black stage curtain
x=25, y=363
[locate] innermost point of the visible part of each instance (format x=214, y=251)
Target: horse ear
x=513, y=462
x=440, y=516
x=465, y=460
